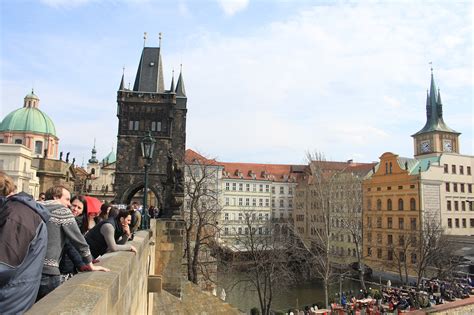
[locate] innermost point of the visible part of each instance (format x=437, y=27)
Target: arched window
x=390, y=168
x=389, y=204
x=93, y=171
x=412, y=204
x=386, y=168
x=400, y=204
x=369, y=204
x=379, y=204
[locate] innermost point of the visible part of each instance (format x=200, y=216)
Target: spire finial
x=431, y=63
x=144, y=38
x=180, y=67
x=94, y=142
x=123, y=70
x=160, y=34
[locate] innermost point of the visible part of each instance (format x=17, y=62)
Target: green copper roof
x=28, y=119
x=434, y=112
x=110, y=158
x=423, y=165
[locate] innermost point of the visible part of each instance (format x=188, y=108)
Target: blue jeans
x=48, y=283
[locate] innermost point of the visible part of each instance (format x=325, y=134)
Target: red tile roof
x=192, y=157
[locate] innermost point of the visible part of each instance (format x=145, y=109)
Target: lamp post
x=148, y=145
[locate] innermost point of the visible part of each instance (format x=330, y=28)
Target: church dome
x=110, y=158
x=28, y=119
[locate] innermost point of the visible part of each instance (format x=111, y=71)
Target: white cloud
x=348, y=80
x=231, y=7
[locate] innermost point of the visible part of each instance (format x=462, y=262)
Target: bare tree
x=201, y=216
x=317, y=243
x=350, y=204
x=264, y=258
x=334, y=200
x=435, y=250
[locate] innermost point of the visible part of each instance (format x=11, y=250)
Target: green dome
x=28, y=119
x=110, y=158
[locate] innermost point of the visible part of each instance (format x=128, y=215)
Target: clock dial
x=425, y=146
x=447, y=146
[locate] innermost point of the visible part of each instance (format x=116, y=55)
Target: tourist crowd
x=45, y=242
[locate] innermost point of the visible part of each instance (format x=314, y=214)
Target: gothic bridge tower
x=148, y=107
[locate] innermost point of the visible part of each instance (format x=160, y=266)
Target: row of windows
x=454, y=169
x=261, y=188
x=391, y=255
x=135, y=125
x=449, y=205
x=401, y=204
x=245, y=230
x=401, y=239
x=38, y=145
x=455, y=187
x=401, y=187
x=457, y=221
x=241, y=216
x=341, y=238
x=260, y=202
x=390, y=225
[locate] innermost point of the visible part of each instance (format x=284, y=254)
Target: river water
x=299, y=295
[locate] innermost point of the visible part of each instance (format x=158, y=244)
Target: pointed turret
x=150, y=72
x=172, y=83
x=180, y=90
x=434, y=112
x=428, y=104
x=121, y=87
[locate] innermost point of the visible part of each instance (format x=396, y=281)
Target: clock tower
x=435, y=137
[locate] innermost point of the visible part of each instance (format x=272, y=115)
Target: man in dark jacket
x=23, y=241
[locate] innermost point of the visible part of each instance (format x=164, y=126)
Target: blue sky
x=266, y=80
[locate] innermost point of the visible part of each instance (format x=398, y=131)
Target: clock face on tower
x=425, y=146
x=447, y=145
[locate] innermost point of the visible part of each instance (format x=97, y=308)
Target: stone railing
x=123, y=290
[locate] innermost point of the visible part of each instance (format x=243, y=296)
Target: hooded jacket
x=61, y=226
x=23, y=241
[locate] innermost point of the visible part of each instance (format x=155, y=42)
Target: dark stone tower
x=149, y=107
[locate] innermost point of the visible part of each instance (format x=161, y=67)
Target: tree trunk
x=195, y=259
x=326, y=293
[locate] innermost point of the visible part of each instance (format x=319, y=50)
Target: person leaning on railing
x=111, y=235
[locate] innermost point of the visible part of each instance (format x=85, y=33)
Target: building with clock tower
x=405, y=196
x=435, y=137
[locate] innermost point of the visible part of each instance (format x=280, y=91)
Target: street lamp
x=148, y=145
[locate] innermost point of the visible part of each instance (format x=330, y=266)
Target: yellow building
x=391, y=213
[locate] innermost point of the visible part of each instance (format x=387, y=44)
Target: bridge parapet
x=123, y=290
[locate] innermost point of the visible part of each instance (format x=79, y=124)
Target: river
x=298, y=295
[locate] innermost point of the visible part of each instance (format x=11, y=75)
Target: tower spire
x=93, y=159
x=144, y=39
x=172, y=82
x=434, y=111
x=121, y=87
x=180, y=90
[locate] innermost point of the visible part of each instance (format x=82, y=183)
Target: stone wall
x=123, y=290
x=149, y=282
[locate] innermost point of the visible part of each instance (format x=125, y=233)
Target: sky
x=267, y=80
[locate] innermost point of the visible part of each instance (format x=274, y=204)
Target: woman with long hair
x=111, y=235
x=79, y=210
